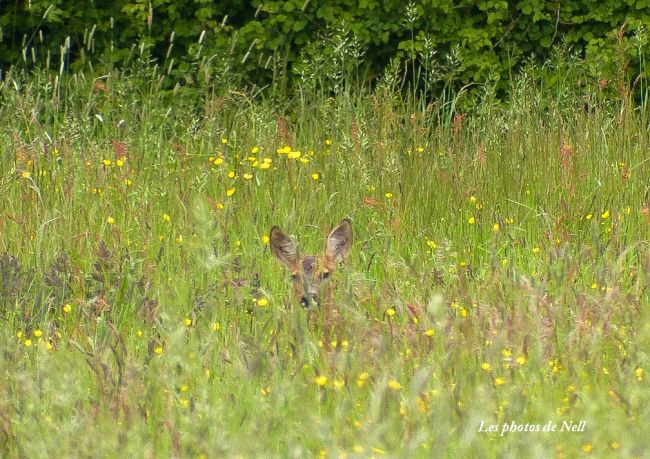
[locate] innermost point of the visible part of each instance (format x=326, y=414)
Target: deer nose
x=308, y=300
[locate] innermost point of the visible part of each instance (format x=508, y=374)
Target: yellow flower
x=294, y=154
x=638, y=374
x=388, y=195
x=321, y=380
x=362, y=378
x=496, y=228
x=217, y=161
x=231, y=174
x=432, y=245
x=429, y=332
x=615, y=445
x=255, y=150
x=110, y=220
x=119, y=162
x=265, y=166
x=587, y=448
x=158, y=350
x=390, y=312
x=394, y=385
x=38, y=333
x=107, y=162
x=265, y=240
x=224, y=140
x=521, y=360
x=420, y=149
x=230, y=192
x=67, y=308
x=28, y=343
x=315, y=176
x=216, y=326
x=338, y=384
x=588, y=216
x=471, y=220
x=499, y=382
x=167, y=218
x=536, y=249
x=605, y=215
x=26, y=174
x=486, y=366
x=262, y=302
x=187, y=322
x=328, y=142
x=248, y=176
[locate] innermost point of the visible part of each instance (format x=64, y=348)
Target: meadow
x=498, y=275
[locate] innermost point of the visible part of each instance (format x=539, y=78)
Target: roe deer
x=311, y=274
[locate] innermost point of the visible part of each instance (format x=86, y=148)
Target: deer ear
x=283, y=247
x=339, y=242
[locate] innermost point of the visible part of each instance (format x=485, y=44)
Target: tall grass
x=499, y=271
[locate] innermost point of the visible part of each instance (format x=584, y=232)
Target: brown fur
x=311, y=274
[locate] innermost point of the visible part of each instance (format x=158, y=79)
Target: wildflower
x=338, y=384
x=265, y=166
x=362, y=379
x=504, y=262
x=496, y=228
x=110, y=220
x=158, y=350
x=231, y=174
x=67, y=308
x=139, y=333
x=615, y=445
x=328, y=142
x=28, y=343
x=217, y=161
x=486, y=366
x=394, y=385
x=638, y=374
x=294, y=154
x=536, y=249
x=216, y=326
x=119, y=162
x=166, y=217
x=321, y=380
x=521, y=360
x=463, y=312
x=26, y=174
x=587, y=448
x=107, y=162
x=255, y=150
x=390, y=312
x=605, y=215
x=588, y=216
x=472, y=199
x=187, y=322
x=499, y=382
x=429, y=332
x=594, y=286
x=230, y=192
x=420, y=149
x=284, y=150
x=248, y=176
x=265, y=240
x=471, y=220
x=262, y=302
x=38, y=333
x=179, y=239
x=224, y=141
x=379, y=451
x=315, y=176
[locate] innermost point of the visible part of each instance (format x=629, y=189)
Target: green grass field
x=499, y=272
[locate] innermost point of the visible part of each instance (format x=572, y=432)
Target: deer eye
x=325, y=275
x=294, y=277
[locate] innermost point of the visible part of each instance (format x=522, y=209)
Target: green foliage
x=276, y=41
